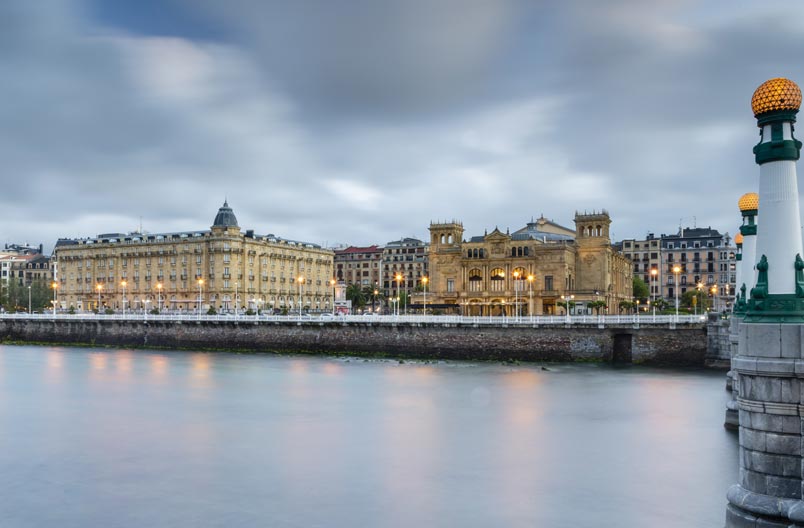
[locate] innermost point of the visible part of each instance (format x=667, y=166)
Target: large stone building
x=359, y=265
x=194, y=270
x=530, y=271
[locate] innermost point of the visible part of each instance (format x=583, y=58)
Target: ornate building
x=529, y=271
x=220, y=268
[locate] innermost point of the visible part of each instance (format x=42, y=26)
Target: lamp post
x=373, y=299
x=424, y=283
x=99, y=287
x=637, y=310
x=567, y=298
x=236, y=299
x=300, y=280
x=123, y=285
x=530, y=296
x=398, y=279
x=653, y=274
x=145, y=308
x=159, y=297
x=55, y=286
x=29, y=300
x=332, y=283
x=698, y=288
x=516, y=296
x=676, y=271
x=200, y=284
x=714, y=297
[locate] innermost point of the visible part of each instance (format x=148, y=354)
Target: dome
x=748, y=202
x=225, y=217
x=738, y=239
x=776, y=94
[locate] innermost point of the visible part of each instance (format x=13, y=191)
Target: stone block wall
x=685, y=345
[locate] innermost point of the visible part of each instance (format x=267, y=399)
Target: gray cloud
x=360, y=122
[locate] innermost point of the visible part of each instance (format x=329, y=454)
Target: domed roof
x=748, y=202
x=225, y=217
x=738, y=239
x=776, y=94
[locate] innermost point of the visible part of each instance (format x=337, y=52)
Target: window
x=548, y=282
x=497, y=280
x=450, y=285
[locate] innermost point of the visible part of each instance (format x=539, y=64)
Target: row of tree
x=14, y=297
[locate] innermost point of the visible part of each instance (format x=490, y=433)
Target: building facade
x=359, y=265
x=704, y=259
x=404, y=263
x=646, y=259
x=531, y=271
x=221, y=268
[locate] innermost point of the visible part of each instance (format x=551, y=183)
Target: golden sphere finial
x=748, y=202
x=776, y=94
x=738, y=239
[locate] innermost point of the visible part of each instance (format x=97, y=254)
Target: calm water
x=120, y=438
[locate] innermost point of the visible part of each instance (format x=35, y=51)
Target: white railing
x=536, y=320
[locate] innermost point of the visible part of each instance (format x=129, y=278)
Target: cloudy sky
x=361, y=121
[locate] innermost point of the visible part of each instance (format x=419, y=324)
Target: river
x=124, y=438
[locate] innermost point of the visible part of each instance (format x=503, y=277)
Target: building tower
x=769, y=490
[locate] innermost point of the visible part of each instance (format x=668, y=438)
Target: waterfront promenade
x=664, y=340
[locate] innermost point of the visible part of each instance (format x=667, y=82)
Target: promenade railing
x=535, y=320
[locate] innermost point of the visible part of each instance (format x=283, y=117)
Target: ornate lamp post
x=300, y=280
x=123, y=285
x=398, y=279
x=424, y=283
x=99, y=287
x=200, y=284
x=159, y=297
x=676, y=271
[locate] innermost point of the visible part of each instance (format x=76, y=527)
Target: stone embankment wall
x=647, y=344
x=718, y=342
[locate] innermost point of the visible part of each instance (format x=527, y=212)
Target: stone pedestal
x=769, y=382
x=732, y=420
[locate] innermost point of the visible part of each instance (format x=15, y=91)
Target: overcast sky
x=359, y=122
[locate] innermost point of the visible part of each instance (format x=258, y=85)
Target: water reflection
x=203, y=439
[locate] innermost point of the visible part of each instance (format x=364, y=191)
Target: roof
x=355, y=249
x=225, y=217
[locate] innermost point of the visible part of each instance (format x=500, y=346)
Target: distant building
x=404, y=263
x=530, y=271
x=646, y=259
x=220, y=268
x=359, y=265
x=706, y=259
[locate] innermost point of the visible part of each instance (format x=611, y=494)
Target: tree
x=565, y=305
x=695, y=297
x=354, y=293
x=641, y=291
x=596, y=306
x=627, y=306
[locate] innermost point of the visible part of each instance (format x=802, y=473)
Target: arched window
x=469, y=254
x=497, y=280
x=449, y=239
x=475, y=280
x=519, y=276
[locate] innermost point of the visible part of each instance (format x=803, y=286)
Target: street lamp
x=332, y=283
x=99, y=287
x=516, y=295
x=159, y=297
x=424, y=283
x=676, y=271
x=300, y=280
x=29, y=300
x=714, y=297
x=398, y=279
x=123, y=285
x=200, y=284
x=637, y=310
x=567, y=299
x=373, y=299
x=653, y=275
x=236, y=299
x=530, y=296
x=55, y=286
x=698, y=288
